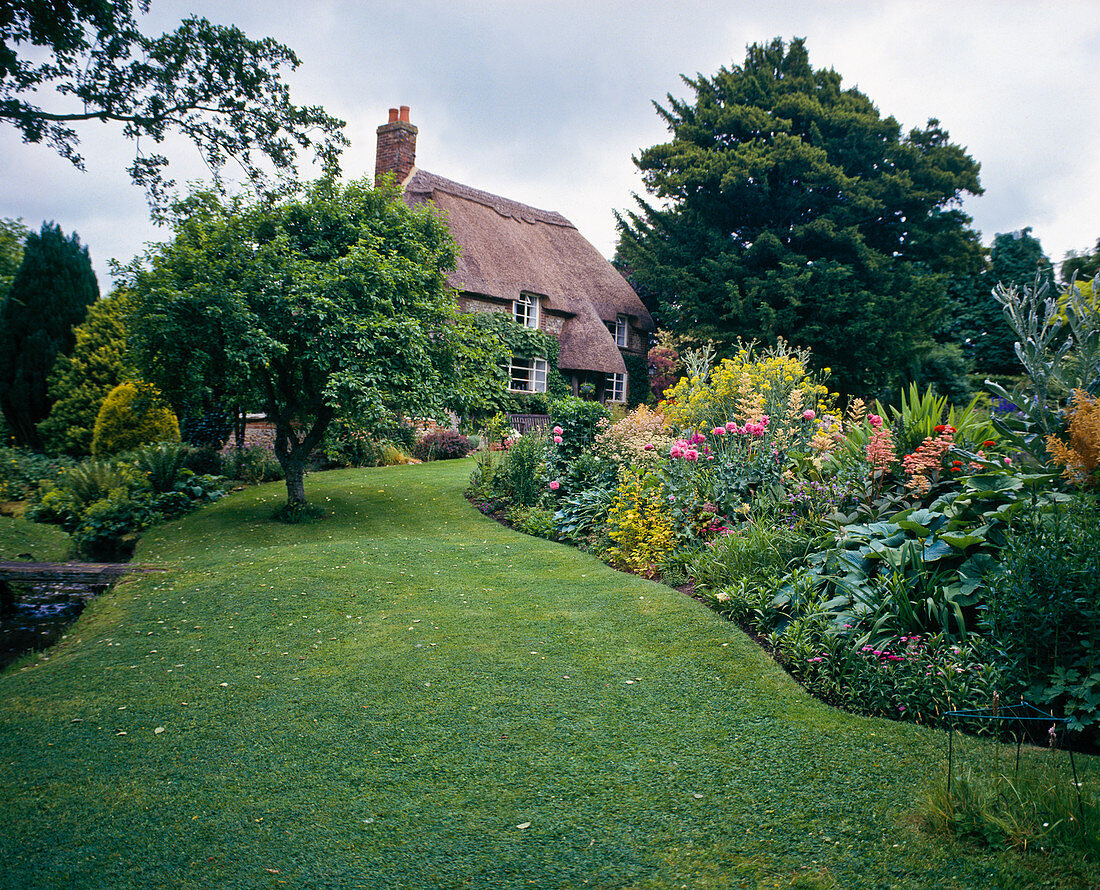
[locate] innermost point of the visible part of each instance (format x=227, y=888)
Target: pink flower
x=731, y=426
x=874, y=420
x=691, y=454
x=558, y=431
x=698, y=438
x=809, y=415
x=555, y=485
x=764, y=420
x=648, y=446
x=719, y=431
x=557, y=440
x=1008, y=461
x=676, y=451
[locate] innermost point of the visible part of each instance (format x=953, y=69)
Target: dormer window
x=618, y=329
x=525, y=311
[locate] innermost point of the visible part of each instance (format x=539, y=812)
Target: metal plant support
x=1027, y=716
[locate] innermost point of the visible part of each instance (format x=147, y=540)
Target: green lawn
x=43, y=543
x=409, y=695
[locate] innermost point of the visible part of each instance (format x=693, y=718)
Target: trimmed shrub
x=133, y=415
x=442, y=445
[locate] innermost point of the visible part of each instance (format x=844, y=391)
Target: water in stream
x=40, y=615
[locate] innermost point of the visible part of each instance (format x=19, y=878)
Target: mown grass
x=43, y=543
x=381, y=699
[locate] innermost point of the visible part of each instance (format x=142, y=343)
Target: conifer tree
x=787, y=206
x=81, y=381
x=50, y=295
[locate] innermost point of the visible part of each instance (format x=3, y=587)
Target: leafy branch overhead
x=210, y=83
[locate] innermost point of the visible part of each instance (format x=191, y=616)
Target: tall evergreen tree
x=787, y=206
x=80, y=382
x=1016, y=258
x=50, y=295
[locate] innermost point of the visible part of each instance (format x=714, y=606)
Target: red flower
x=989, y=443
x=939, y=429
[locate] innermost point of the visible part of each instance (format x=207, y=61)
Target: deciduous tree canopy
x=786, y=206
x=66, y=63
x=331, y=303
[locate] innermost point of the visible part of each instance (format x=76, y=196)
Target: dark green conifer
x=50, y=295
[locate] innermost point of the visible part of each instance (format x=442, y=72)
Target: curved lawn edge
x=406, y=683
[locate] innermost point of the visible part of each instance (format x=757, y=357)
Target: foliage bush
x=640, y=526
x=532, y=521
x=522, y=468
x=758, y=550
x=252, y=465
x=108, y=528
x=133, y=415
x=640, y=438
x=1044, y=612
x=22, y=472
x=442, y=445
x=748, y=386
x=579, y=421
x=161, y=464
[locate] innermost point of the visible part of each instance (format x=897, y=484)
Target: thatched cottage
x=533, y=264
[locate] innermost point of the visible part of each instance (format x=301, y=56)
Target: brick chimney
x=396, y=152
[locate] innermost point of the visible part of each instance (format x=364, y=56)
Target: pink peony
x=731, y=426
x=558, y=431
x=557, y=440
x=691, y=454
x=719, y=431
x=648, y=446
x=874, y=420
x=809, y=415
x=555, y=485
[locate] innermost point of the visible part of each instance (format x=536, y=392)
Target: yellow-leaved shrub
x=640, y=525
x=132, y=415
x=746, y=387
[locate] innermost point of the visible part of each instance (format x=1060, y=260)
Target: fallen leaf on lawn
x=158, y=730
x=524, y=825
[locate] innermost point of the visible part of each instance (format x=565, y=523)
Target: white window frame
x=621, y=331
x=527, y=374
x=614, y=388
x=525, y=311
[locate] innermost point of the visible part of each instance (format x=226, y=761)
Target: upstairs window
x=527, y=375
x=614, y=388
x=525, y=311
x=620, y=331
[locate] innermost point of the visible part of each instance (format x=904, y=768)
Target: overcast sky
x=546, y=102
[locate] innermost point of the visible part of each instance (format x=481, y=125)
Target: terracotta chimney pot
x=396, y=150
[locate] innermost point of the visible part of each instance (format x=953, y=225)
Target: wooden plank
x=93, y=573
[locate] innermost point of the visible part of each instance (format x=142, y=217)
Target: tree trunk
x=294, y=468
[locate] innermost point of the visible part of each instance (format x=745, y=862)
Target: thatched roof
x=509, y=248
